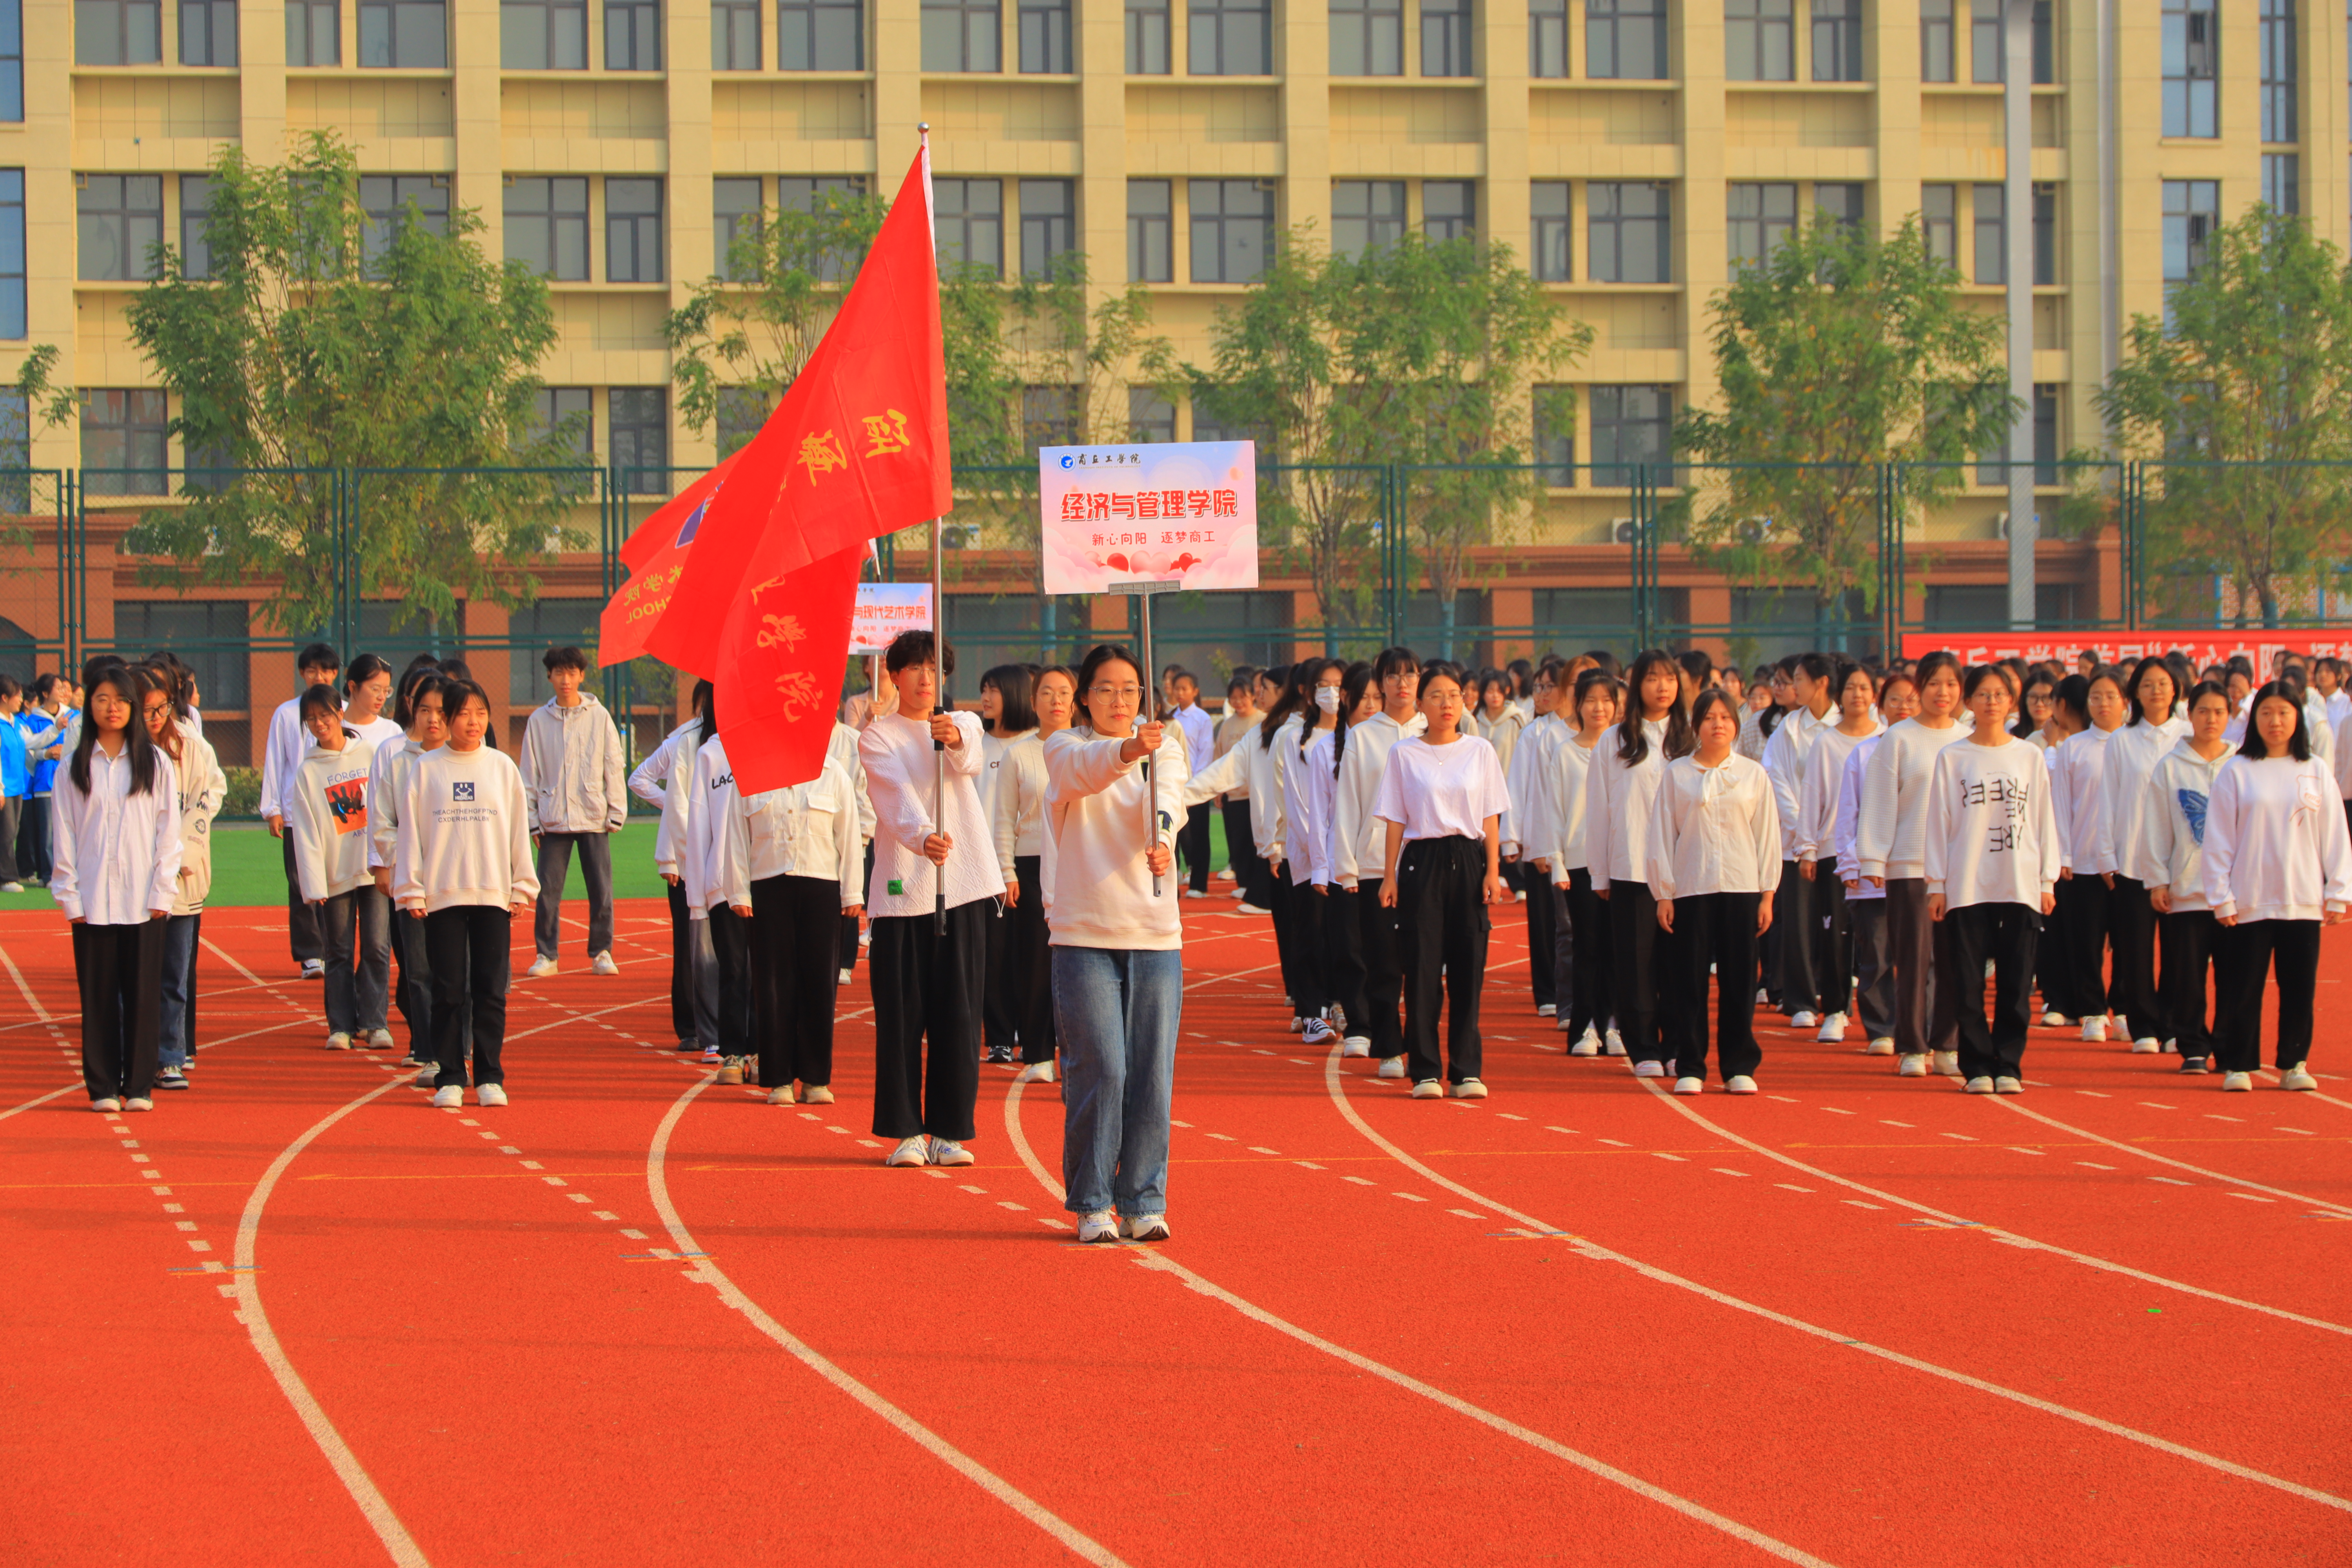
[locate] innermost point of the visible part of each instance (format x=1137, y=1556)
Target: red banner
x=2202, y=647
x=656, y=555
x=780, y=684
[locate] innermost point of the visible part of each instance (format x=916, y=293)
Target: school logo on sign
x=461, y=790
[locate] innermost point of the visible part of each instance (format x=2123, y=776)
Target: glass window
x=632, y=34
x=820, y=35
x=968, y=224
x=640, y=425
x=544, y=35
x=1146, y=37
x=1988, y=61
x=121, y=219
x=12, y=60
x=2278, y=71
x=2045, y=433
x=2192, y=210
x=1555, y=437
x=1367, y=38
x=1759, y=40
x=632, y=231
x=214, y=637
x=1840, y=200
x=1630, y=424
x=1837, y=40
x=1150, y=231
x=801, y=193
x=12, y=254
x=1449, y=210
x=735, y=34
x=1555, y=246
x=2282, y=183
x=1445, y=38
x=385, y=199
x=547, y=224
x=313, y=33
x=1229, y=37
x=1150, y=415
x=1049, y=416
x=1365, y=215
x=1547, y=39
x=1630, y=232
x=742, y=410
x=1936, y=42
x=735, y=214
x=2192, y=46
x=208, y=32
x=1233, y=229
x=2045, y=234
x=195, y=208
x=117, y=32
x=123, y=445
x=1626, y=40
x=405, y=34
x=1939, y=216
x=962, y=36
x=1760, y=217
x=566, y=409
x=1045, y=27
x=1989, y=206
x=1048, y=225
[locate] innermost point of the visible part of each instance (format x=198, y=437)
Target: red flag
x=780, y=683
x=656, y=555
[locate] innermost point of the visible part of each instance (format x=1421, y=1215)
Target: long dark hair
x=1706, y=701
x=133, y=685
x=1016, y=696
x=1315, y=668
x=1099, y=654
x=2072, y=698
x=1352, y=687
x=1297, y=682
x=1632, y=741
x=2131, y=692
x=2298, y=745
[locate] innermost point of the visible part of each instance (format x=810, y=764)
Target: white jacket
x=1713, y=830
x=1020, y=815
x=281, y=754
x=387, y=785
x=1787, y=754
x=2173, y=824
x=662, y=780
x=1617, y=800
x=1991, y=833
x=2133, y=752
x=1320, y=776
x=1849, y=816
x=843, y=749
x=1571, y=769
x=2275, y=842
x=1530, y=828
x=573, y=769
x=1817, y=801
x=1890, y=837
x=1094, y=842
x=902, y=773
x=464, y=832
x=701, y=864
x=1360, y=841
x=115, y=856
x=1261, y=764
x=327, y=813
x=1305, y=838
x=203, y=789
x=804, y=830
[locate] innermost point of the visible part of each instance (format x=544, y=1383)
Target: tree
x=2246, y=391
x=1839, y=352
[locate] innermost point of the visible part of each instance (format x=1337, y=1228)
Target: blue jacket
x=35, y=732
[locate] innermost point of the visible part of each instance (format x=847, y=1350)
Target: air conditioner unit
x=2000, y=525
x=960, y=536
x=1621, y=528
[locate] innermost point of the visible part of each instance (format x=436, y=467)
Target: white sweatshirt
x=1991, y=833
x=203, y=788
x=388, y=777
x=1570, y=771
x=1848, y=817
x=2133, y=752
x=1305, y=838
x=114, y=856
x=701, y=845
x=664, y=779
x=1360, y=844
x=574, y=768
x=1817, y=801
x=375, y=732
x=1617, y=800
x=281, y=754
x=1529, y=827
x=1262, y=761
x=327, y=813
x=1890, y=836
x=2343, y=758
x=901, y=771
x=1713, y=830
x=1094, y=842
x=843, y=749
x=1321, y=774
x=464, y=832
x=806, y=830
x=1786, y=757
x=991, y=758
x=2275, y=843
x=1019, y=817
x=2173, y=824
x=2079, y=770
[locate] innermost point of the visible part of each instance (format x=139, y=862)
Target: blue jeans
x=1114, y=1017
x=178, y=1037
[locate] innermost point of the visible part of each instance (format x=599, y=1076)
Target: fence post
x=1642, y=521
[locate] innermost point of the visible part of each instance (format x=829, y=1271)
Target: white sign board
x=883, y=611
x=1148, y=517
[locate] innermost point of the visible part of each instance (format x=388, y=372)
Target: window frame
x=310, y=13
x=1228, y=227
x=1371, y=35
x=201, y=33
x=555, y=217
x=1463, y=224
x=1150, y=26
x=392, y=34
x=1759, y=40
x=554, y=17
x=13, y=282
x=1988, y=234
x=2189, y=69
x=819, y=31
x=1608, y=23
x=1548, y=51
x=1550, y=229
x=642, y=223
x=1143, y=226
x=630, y=431
x=1751, y=237
x=637, y=25
x=1616, y=423
x=146, y=427
x=978, y=37
x=1044, y=44
x=964, y=217
x=728, y=20
x=128, y=44
x=1940, y=58
x=1448, y=39
x=1215, y=30
x=1837, y=40
x=127, y=217
x=1054, y=234
x=1618, y=224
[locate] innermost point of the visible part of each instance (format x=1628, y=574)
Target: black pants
x=467, y=946
x=33, y=838
x=928, y=985
x=1441, y=928
x=1241, y=852
x=1873, y=994
x=596, y=869
x=730, y=946
x=1717, y=930
x=1590, y=937
x=121, y=972
x=411, y=987
x=2248, y=952
x=1833, y=940
x=2193, y=942
x=1286, y=938
x=999, y=1006
x=2006, y=934
x=1031, y=962
x=1928, y=986
x=1311, y=987
x=1643, y=957
x=2132, y=933
x=1792, y=928
x=849, y=923
x=2081, y=936
x=1370, y=985
x=1543, y=932
x=11, y=809
x=1193, y=843
x=793, y=926
x=681, y=963
x=301, y=917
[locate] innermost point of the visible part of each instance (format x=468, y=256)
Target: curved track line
x=709, y=1273
x=1334, y=1081
x=1160, y=1262
x=397, y=1543
x=2010, y=1236
x=2007, y=1103
x=2324, y=1099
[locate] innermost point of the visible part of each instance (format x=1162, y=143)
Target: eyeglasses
x=1116, y=693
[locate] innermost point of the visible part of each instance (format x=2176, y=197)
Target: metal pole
x=939, y=748
x=1151, y=695
x=2017, y=102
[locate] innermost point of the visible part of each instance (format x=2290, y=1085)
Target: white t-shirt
x=1441, y=792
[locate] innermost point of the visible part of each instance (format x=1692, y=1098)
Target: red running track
x=297, y=1316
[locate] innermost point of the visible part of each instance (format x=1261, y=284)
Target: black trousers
x=793, y=926
x=1590, y=938
x=2080, y=937
x=1241, y=852
x=301, y=917
x=119, y=970
x=1286, y=938
x=2006, y=934
x=1031, y=962
x=412, y=986
x=1832, y=933
x=1792, y=928
x=1372, y=987
x=1927, y=985
x=2248, y=953
x=11, y=809
x=927, y=985
x=1343, y=958
x=1716, y=929
x=467, y=946
x=731, y=945
x=33, y=837
x=1310, y=992
x=849, y=923
x=555, y=870
x=1442, y=929
x=1874, y=993
x=681, y=963
x=2132, y=933
x=1642, y=958
x=999, y=1003
x=1193, y=843
x=1543, y=935
x=2193, y=942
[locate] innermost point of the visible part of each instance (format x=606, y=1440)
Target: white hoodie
x=701, y=861
x=573, y=769
x=465, y=833
x=2173, y=824
x=662, y=780
x=203, y=788
x=2133, y=752
x=387, y=785
x=1359, y=840
x=902, y=772
x=2275, y=843
x=327, y=813
x=1095, y=843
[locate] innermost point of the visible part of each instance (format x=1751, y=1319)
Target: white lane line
x=40, y=1014
x=2177, y=1165
x=710, y=1273
x=1334, y=1083
x=386, y=1524
x=1153, y=1258
x=1996, y=1232
x=1236, y=975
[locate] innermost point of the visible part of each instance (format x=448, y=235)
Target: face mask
x=1326, y=698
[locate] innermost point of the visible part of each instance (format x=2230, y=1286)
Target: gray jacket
x=574, y=778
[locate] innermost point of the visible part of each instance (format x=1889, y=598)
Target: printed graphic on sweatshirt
x=2192, y=806
x=461, y=789
x=2008, y=798
x=347, y=798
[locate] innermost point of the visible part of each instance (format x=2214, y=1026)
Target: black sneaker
x=2194, y=1064
x=170, y=1078
x=689, y=1045
x=1000, y=1054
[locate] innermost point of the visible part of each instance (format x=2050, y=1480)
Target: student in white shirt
x=116, y=857
x=1624, y=781
x=1831, y=931
x=367, y=689
x=2133, y=752
x=1359, y=699
x=1114, y=798
x=1889, y=851
x=1865, y=902
x=1799, y=950
x=666, y=779
x=326, y=814
x=464, y=870
x=1020, y=832
x=201, y=789
x=1588, y=1020
x=1991, y=858
x=1714, y=841
x=1274, y=750
x=1241, y=718
x=1007, y=714
x=574, y=770
x=1369, y=980
x=2278, y=867
x=2078, y=769
x=419, y=712
x=792, y=857
x=1304, y=839
x=702, y=872
x=2171, y=860
x=1199, y=733
x=281, y=754
x=928, y=983
x=1527, y=753
x=1442, y=800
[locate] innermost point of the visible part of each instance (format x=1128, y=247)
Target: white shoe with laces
x=1913, y=1065
x=379, y=1039
x=710, y=1056
x=448, y=1097
x=2007, y=1086
x=1832, y=1028
x=1429, y=1089
x=1391, y=1067
x=314, y=969
x=1470, y=1089
x=2237, y=1082
x=1144, y=1227
x=731, y=1070
x=781, y=1095
x=2294, y=1077
x=1101, y=1225
x=1948, y=1063
x=2148, y=1045
x=1548, y=1010
x=1612, y=1043
x=1035, y=1072
x=490, y=1094
x=841, y=978
x=1978, y=1086
x=1587, y=1044
x=338, y=1041
x=1739, y=1083
x=1882, y=1047
x=1805, y=1018
x=108, y=1105
x=539, y=970
x=948, y=1151
x=815, y=1094
x=1319, y=1032
x=1195, y=893
x=2053, y=1019
x=2094, y=1029
x=1356, y=1045
x=1649, y=1070
x=1689, y=1085
x=603, y=963
x=915, y=1150
x=138, y=1102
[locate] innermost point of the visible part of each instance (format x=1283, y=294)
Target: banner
x=883, y=611
x=1148, y=512
x=656, y=556
x=2202, y=647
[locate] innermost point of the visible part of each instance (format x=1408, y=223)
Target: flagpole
x=1151, y=705
x=938, y=611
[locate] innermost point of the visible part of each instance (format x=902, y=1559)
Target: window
x=12, y=60
x=1146, y=37
x=1048, y=225
x=566, y=410
x=1939, y=210
x=195, y=209
x=632, y=34
x=405, y=34
x=2045, y=433
x=1936, y=41
x=632, y=231
x=1988, y=60
x=313, y=33
x=1049, y=416
x=2278, y=71
x=547, y=224
x=1837, y=40
x=215, y=639
x=1445, y=38
x=1231, y=37
x=2045, y=44
x=962, y=36
x=2192, y=46
x=1365, y=215
x=1045, y=27
x=1840, y=201
x=1547, y=39
x=1760, y=217
x=640, y=426
x=2045, y=234
x=1759, y=40
x=1630, y=233
x=385, y=199
x=1150, y=231
x=1988, y=208
x=1554, y=242
x=1449, y=210
x=1630, y=424
x=820, y=35
x=968, y=223
x=208, y=32
x=735, y=34
x=12, y=253
x=1149, y=417
x=1367, y=38
x=742, y=410
x=117, y=32
x=2282, y=184
x=1555, y=437
x=2192, y=210
x=734, y=214
x=123, y=448
x=1626, y=40
x=544, y=35
x=1232, y=229
x=121, y=218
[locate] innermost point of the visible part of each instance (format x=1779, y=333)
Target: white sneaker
x=2053, y=1019
x=603, y=963
x=491, y=1094
x=314, y=969
x=1195, y=893
x=2094, y=1029
x=1429, y=1089
x=12, y=887
x=1913, y=1065
x=539, y=970
x=2148, y=1045
x=1548, y=1010
x=1882, y=1047
x=379, y=1039
x=2237, y=1082
x=1391, y=1067
x=1978, y=1086
x=1689, y=1085
x=338, y=1041
x=948, y=1151
x=1101, y=1225
x=1035, y=1072
x=2005, y=1085
x=865, y=937
x=1948, y=1063
x=731, y=1070
x=1356, y=1045
x=1319, y=1032
x=1805, y=1018
x=2294, y=1077
x=1832, y=1028
x=448, y=1097
x=1649, y=1070
x=1588, y=1046
x=841, y=979
x=915, y=1150
x=815, y=1094
x=1147, y=1227
x=1739, y=1083
x=781, y=1095
x=1469, y=1089
x=1763, y=996
x=1297, y=1024
x=138, y=1102
x=1613, y=1044
x=710, y=1056
x=1246, y=907
x=111, y=1105
x=1225, y=876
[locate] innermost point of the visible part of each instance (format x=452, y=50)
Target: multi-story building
x=1634, y=152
